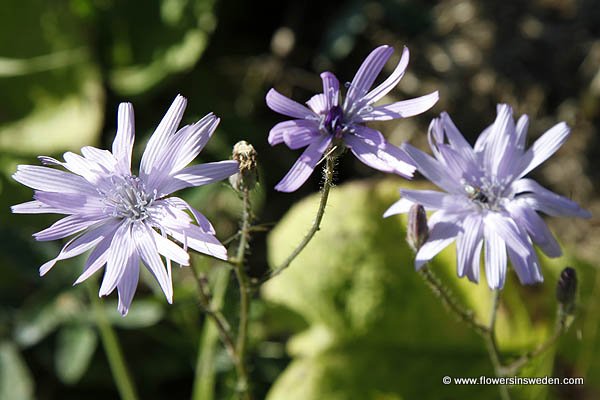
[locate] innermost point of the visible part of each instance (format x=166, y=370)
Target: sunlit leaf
x=75, y=346
x=16, y=382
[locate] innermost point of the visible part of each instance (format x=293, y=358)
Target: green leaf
x=375, y=329
x=143, y=313
x=16, y=382
x=75, y=347
x=52, y=91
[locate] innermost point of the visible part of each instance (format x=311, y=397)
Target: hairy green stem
x=328, y=170
x=492, y=345
x=113, y=350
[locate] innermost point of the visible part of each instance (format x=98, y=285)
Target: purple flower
x=327, y=122
x=487, y=198
x=126, y=219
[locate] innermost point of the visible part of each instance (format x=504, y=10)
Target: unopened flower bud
x=245, y=155
x=417, y=230
x=566, y=289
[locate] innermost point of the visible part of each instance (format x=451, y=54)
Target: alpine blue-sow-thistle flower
x=127, y=219
x=487, y=198
x=327, y=122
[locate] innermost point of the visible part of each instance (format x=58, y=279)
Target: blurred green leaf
x=143, y=313
x=75, y=348
x=52, y=92
x=158, y=39
x=374, y=327
x=16, y=382
x=36, y=322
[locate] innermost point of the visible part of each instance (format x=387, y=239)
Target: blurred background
x=350, y=319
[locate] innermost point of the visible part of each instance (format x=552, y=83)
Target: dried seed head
x=245, y=155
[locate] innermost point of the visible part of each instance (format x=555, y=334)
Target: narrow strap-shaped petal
x=331, y=89
x=198, y=175
x=304, y=166
x=384, y=157
x=402, y=206
x=170, y=250
x=92, y=171
x=283, y=105
x=458, y=166
x=84, y=205
x=79, y=245
x=157, y=143
x=36, y=207
x=507, y=230
x=528, y=219
x=64, y=227
x=200, y=241
x=400, y=109
x=52, y=180
x=433, y=170
x=391, y=81
x=527, y=268
x=148, y=251
x=495, y=259
x=521, y=131
x=318, y=104
x=290, y=128
x=499, y=138
x=433, y=199
x=366, y=75
x=544, y=200
x=120, y=250
x=102, y=157
x=467, y=245
x=123, y=143
x=441, y=234
x=128, y=283
x=181, y=204
x=544, y=147
x=298, y=138
x=455, y=139
x=98, y=256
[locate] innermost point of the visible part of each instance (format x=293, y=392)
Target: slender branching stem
x=244, y=287
x=328, y=171
x=214, y=314
x=492, y=345
x=561, y=327
x=467, y=316
x=114, y=353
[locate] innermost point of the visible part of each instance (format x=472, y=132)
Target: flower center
x=486, y=193
x=333, y=122
x=128, y=198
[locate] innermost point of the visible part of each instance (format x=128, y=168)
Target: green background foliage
x=350, y=318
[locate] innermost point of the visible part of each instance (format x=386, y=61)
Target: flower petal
x=527, y=268
x=542, y=199
x=180, y=204
x=384, y=157
x=400, y=109
x=468, y=248
x=433, y=170
x=507, y=230
x=52, y=180
x=528, y=219
x=120, y=251
x=544, y=147
x=198, y=175
x=441, y=234
x=98, y=256
x=283, y=105
x=391, y=81
x=123, y=143
x=300, y=127
x=366, y=74
x=128, y=283
x=170, y=250
x=495, y=259
x=200, y=241
x=402, y=206
x=148, y=251
x=159, y=139
x=36, y=207
x=433, y=200
x=304, y=166
x=64, y=227
x=331, y=89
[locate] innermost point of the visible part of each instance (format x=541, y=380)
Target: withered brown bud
x=417, y=230
x=245, y=155
x=566, y=289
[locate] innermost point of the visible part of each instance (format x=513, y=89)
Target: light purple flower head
x=126, y=219
x=327, y=122
x=487, y=199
